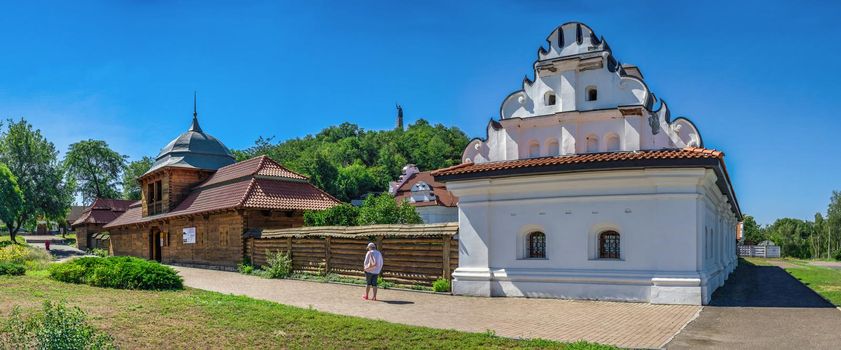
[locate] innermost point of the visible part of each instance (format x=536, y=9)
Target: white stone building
x=586, y=188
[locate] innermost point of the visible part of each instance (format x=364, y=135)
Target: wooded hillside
x=348, y=161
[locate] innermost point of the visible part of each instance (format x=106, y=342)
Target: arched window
x=609, y=245
x=592, y=144
x=612, y=141
x=553, y=148
x=537, y=245
x=534, y=149
x=550, y=99
x=592, y=93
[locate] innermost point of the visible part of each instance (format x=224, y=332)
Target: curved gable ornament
x=572, y=63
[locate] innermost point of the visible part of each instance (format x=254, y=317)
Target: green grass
x=200, y=319
x=5, y=237
x=823, y=280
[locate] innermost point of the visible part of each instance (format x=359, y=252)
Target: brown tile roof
x=261, y=165
x=102, y=211
x=664, y=158
x=664, y=154
x=442, y=196
x=257, y=183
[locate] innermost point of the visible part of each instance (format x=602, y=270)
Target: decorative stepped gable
x=258, y=183
x=580, y=100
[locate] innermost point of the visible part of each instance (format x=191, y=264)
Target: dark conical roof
x=194, y=149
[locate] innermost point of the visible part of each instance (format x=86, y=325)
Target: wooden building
x=93, y=218
x=197, y=202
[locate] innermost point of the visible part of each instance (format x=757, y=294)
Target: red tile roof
x=261, y=165
x=664, y=158
x=257, y=183
x=102, y=211
x=664, y=154
x=442, y=196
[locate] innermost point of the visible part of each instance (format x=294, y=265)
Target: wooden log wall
x=407, y=260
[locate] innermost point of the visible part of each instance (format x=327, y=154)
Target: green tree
x=384, y=209
x=833, y=222
x=135, y=169
x=340, y=215
x=34, y=161
x=11, y=198
x=335, y=158
x=96, y=169
x=792, y=235
x=751, y=230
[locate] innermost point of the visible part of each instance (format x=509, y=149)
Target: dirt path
x=633, y=325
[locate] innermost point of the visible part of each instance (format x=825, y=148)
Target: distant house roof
x=256, y=183
x=442, y=196
x=102, y=211
x=75, y=213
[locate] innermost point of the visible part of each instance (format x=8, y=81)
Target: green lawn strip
x=7, y=238
x=823, y=280
x=200, y=319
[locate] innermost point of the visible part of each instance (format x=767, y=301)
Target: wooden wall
x=409, y=260
x=219, y=236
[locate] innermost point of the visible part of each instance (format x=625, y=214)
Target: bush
x=381, y=283
x=11, y=269
x=278, y=265
x=441, y=285
x=120, y=272
x=31, y=258
x=57, y=327
x=98, y=252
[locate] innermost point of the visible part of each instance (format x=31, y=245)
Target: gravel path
x=633, y=325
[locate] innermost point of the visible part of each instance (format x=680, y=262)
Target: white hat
x=372, y=246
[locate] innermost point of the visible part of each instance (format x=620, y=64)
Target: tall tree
x=34, y=161
x=135, y=169
x=96, y=169
x=11, y=198
x=751, y=230
x=833, y=222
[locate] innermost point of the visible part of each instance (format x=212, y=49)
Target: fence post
x=446, y=256
x=327, y=255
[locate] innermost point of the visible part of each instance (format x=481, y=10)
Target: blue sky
x=759, y=79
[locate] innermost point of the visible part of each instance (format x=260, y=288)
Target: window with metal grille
x=537, y=245
x=609, y=245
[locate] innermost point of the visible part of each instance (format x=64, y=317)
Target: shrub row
x=119, y=272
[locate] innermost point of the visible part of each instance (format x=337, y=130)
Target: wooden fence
x=412, y=254
x=762, y=251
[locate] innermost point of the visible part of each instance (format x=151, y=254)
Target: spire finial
x=195, y=126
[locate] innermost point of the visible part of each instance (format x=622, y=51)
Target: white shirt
x=373, y=261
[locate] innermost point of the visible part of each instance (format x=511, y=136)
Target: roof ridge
x=247, y=194
x=281, y=166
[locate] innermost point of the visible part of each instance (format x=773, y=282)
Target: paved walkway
x=830, y=264
x=633, y=325
x=763, y=307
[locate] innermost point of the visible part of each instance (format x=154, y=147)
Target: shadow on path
x=765, y=286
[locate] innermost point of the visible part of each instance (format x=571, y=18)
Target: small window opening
x=537, y=245
x=592, y=94
x=550, y=99
x=609, y=245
